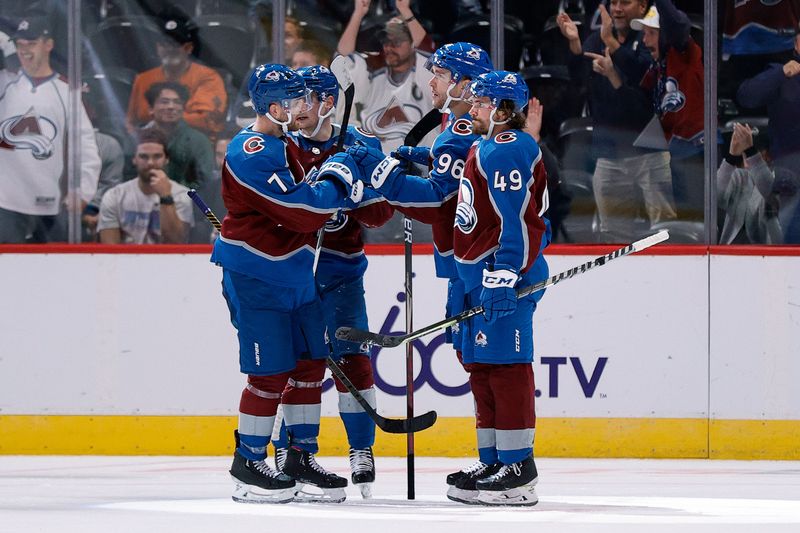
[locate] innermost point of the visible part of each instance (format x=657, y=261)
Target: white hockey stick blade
x=341, y=69
x=652, y=240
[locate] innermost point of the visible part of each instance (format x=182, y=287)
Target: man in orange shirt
x=205, y=109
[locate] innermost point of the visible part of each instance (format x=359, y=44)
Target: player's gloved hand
x=366, y=157
x=416, y=154
x=498, y=296
x=342, y=169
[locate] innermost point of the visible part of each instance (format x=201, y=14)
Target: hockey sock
x=359, y=426
x=257, y=408
x=302, y=402
x=515, y=419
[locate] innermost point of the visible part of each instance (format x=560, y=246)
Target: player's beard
x=480, y=127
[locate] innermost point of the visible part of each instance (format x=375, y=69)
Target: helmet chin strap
x=493, y=123
x=284, y=125
x=321, y=118
x=450, y=98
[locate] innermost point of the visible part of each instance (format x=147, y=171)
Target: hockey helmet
x=500, y=85
x=320, y=80
x=461, y=59
x=273, y=83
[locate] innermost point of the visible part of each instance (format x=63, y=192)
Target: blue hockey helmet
x=275, y=83
x=320, y=80
x=500, y=85
x=461, y=59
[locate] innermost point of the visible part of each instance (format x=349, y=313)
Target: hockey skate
x=512, y=485
x=362, y=466
x=462, y=483
x=304, y=469
x=280, y=458
x=256, y=482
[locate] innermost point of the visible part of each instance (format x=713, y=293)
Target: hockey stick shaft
x=391, y=341
x=389, y=425
x=413, y=138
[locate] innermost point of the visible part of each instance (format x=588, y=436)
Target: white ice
x=91, y=494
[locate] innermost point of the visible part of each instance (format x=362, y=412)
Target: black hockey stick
x=390, y=341
x=389, y=425
x=339, y=70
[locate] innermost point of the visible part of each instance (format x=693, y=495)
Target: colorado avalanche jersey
x=502, y=198
x=269, y=232
x=761, y=27
x=432, y=200
x=342, y=252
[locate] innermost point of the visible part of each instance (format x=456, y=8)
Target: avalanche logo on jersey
x=253, y=145
x=480, y=339
x=506, y=137
x=28, y=132
x=673, y=100
x=466, y=217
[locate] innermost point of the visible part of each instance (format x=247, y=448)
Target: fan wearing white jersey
x=34, y=115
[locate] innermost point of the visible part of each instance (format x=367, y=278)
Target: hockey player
x=499, y=237
x=433, y=199
x=266, y=250
x=341, y=267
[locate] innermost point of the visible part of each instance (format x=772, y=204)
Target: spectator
x=34, y=119
x=390, y=100
x=309, y=53
x=745, y=194
x=205, y=108
x=112, y=163
x=675, y=82
x=559, y=199
x=778, y=88
x=620, y=110
x=150, y=208
x=190, y=152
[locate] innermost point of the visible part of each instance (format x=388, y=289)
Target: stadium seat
x=555, y=47
x=561, y=98
x=106, y=98
x=575, y=144
x=227, y=42
x=131, y=8
x=580, y=225
x=223, y=7
x=128, y=42
x=477, y=30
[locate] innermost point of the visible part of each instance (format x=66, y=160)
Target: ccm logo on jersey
x=506, y=137
x=462, y=126
x=253, y=145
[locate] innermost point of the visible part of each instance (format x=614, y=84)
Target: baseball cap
x=32, y=28
x=177, y=26
x=650, y=20
x=394, y=30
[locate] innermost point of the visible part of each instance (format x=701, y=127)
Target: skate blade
x=520, y=496
x=312, y=494
x=468, y=497
x=244, y=493
x=366, y=490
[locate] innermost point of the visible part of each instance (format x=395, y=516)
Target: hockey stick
x=389, y=425
x=412, y=138
x=390, y=341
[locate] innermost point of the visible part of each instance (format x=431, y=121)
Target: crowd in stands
x=618, y=107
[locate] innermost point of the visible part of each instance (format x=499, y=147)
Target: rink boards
x=684, y=352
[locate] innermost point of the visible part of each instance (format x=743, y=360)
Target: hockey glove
x=416, y=154
x=342, y=169
x=366, y=157
x=498, y=296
